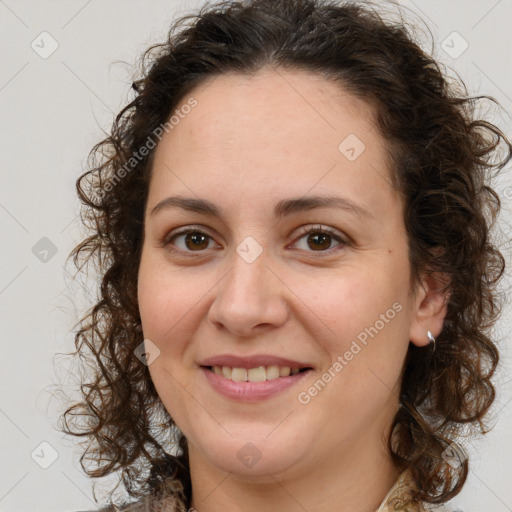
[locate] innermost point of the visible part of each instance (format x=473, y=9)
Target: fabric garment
x=396, y=500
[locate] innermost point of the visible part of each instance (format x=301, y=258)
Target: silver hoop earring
x=432, y=340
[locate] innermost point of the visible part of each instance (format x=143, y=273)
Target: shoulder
x=146, y=504
x=138, y=506
x=399, y=499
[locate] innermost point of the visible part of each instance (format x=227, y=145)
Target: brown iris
x=323, y=240
x=197, y=240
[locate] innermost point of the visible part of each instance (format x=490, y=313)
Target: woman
x=292, y=221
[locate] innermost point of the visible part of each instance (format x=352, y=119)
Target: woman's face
x=265, y=152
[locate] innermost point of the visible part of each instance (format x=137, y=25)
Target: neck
x=355, y=475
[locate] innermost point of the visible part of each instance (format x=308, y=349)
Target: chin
x=248, y=460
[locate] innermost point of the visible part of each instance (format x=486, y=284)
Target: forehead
x=273, y=130
x=299, y=104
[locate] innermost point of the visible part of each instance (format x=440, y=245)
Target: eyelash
x=318, y=229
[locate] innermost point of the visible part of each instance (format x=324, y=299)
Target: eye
x=194, y=240
x=319, y=238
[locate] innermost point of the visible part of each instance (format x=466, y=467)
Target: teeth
x=259, y=374
x=238, y=374
x=273, y=372
x=284, y=371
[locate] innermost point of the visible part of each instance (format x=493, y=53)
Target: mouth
x=255, y=384
x=256, y=374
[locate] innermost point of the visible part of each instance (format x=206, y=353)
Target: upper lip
x=254, y=361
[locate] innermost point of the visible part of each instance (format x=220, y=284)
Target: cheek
x=362, y=325
x=166, y=306
x=354, y=301
x=364, y=320
x=171, y=304
x=161, y=303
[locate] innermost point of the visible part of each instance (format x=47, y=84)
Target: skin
x=250, y=142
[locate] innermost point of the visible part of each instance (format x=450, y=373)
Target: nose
x=250, y=298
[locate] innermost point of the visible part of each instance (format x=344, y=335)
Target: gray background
x=52, y=112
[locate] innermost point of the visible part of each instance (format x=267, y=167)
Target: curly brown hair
x=444, y=159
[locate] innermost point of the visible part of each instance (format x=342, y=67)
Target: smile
x=253, y=384
x=258, y=374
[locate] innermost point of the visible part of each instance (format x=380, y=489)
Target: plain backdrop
x=66, y=69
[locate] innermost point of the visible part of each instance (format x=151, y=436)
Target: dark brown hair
x=443, y=161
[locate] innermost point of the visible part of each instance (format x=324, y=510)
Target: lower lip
x=251, y=391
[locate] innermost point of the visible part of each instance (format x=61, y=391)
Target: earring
x=432, y=340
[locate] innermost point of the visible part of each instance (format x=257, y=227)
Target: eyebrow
x=282, y=209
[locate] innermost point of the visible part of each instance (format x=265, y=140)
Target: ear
x=430, y=306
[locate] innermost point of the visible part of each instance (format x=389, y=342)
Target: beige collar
x=398, y=499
